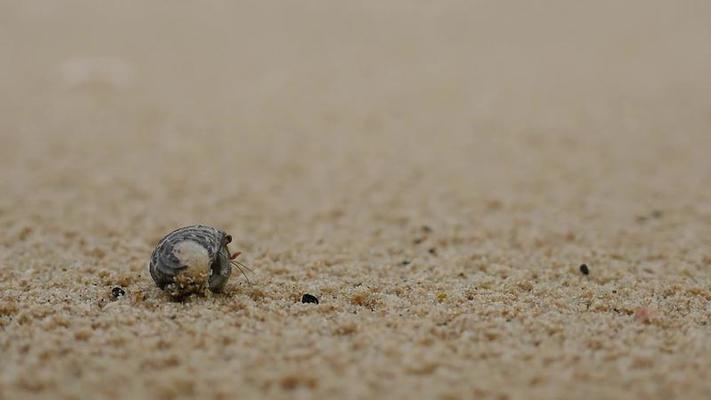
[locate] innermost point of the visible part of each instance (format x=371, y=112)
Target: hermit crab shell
x=187, y=256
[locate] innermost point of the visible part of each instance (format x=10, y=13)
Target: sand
x=435, y=173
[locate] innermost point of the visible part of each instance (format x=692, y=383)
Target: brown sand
x=434, y=172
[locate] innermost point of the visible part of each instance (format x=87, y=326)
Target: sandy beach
x=434, y=173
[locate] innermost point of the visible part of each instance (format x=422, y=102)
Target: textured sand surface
x=434, y=172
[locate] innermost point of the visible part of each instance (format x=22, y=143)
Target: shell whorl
x=193, y=247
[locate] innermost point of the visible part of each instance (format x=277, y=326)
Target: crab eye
x=228, y=239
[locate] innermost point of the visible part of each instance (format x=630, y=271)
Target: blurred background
x=242, y=113
x=299, y=107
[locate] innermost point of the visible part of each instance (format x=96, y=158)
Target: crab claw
x=235, y=255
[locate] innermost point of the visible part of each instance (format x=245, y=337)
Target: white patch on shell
x=193, y=255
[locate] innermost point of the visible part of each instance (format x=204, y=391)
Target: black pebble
x=433, y=251
x=406, y=262
x=584, y=269
x=309, y=298
x=117, y=292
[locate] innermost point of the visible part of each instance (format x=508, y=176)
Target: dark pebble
x=433, y=251
x=117, y=292
x=406, y=262
x=584, y=269
x=309, y=298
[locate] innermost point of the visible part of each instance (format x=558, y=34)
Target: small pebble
x=584, y=269
x=309, y=298
x=406, y=262
x=433, y=251
x=117, y=292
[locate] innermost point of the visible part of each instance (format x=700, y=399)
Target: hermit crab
x=191, y=258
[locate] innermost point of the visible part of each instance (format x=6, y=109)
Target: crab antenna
x=243, y=274
x=240, y=265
